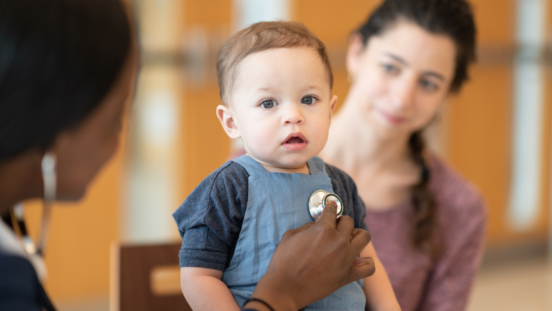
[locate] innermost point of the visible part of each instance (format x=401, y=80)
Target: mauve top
x=420, y=283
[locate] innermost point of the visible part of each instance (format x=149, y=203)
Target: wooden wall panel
x=480, y=128
x=546, y=178
x=495, y=21
x=206, y=144
x=479, y=139
x=332, y=21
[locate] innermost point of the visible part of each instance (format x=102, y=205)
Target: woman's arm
x=204, y=290
x=379, y=292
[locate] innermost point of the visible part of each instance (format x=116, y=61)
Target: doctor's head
x=66, y=72
x=275, y=83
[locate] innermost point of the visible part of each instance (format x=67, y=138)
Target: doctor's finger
x=329, y=214
x=359, y=239
x=345, y=226
x=362, y=268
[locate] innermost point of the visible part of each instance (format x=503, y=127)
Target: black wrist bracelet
x=259, y=301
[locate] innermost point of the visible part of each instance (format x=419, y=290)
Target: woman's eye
x=428, y=85
x=268, y=103
x=389, y=68
x=308, y=100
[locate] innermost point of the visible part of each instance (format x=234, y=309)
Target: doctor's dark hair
x=451, y=18
x=260, y=37
x=58, y=60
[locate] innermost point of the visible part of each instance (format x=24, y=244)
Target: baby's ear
x=226, y=118
x=333, y=104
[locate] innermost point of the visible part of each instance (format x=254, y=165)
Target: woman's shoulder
x=453, y=192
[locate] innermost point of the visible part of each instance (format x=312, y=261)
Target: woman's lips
x=395, y=120
x=295, y=142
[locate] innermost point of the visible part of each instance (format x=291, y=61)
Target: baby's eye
x=269, y=103
x=308, y=100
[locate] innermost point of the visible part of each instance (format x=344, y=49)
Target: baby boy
x=275, y=83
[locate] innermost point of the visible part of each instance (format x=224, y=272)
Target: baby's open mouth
x=295, y=140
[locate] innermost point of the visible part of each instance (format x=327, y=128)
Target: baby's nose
x=293, y=115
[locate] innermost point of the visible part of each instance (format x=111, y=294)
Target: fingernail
x=359, y=261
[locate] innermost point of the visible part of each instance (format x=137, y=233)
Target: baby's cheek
x=321, y=133
x=261, y=140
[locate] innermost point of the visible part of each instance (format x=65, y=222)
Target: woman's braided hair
x=422, y=199
x=453, y=18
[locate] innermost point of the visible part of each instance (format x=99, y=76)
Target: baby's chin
x=304, y=168
x=282, y=165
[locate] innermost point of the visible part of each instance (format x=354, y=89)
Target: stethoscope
x=18, y=221
x=318, y=201
x=50, y=181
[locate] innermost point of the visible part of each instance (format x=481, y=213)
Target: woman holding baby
x=427, y=223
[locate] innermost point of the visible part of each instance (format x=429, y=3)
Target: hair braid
x=424, y=222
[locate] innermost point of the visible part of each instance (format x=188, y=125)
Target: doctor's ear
x=229, y=125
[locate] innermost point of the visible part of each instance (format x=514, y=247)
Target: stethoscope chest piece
x=318, y=201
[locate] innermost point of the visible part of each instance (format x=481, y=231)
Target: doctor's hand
x=313, y=261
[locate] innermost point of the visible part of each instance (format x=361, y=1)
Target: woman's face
x=81, y=151
x=401, y=77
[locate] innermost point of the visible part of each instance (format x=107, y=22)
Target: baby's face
x=282, y=106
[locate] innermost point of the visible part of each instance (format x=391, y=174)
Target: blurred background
x=497, y=133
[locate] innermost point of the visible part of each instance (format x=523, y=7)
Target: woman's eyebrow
x=404, y=63
x=397, y=58
x=434, y=74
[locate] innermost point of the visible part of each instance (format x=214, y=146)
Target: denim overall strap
x=278, y=202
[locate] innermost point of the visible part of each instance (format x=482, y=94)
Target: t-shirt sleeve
x=209, y=221
x=346, y=189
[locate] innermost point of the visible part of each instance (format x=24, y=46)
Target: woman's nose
x=293, y=114
x=403, y=93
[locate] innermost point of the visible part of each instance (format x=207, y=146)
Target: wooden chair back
x=146, y=278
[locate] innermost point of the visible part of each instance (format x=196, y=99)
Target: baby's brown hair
x=260, y=37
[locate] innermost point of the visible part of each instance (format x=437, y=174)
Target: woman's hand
x=313, y=261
